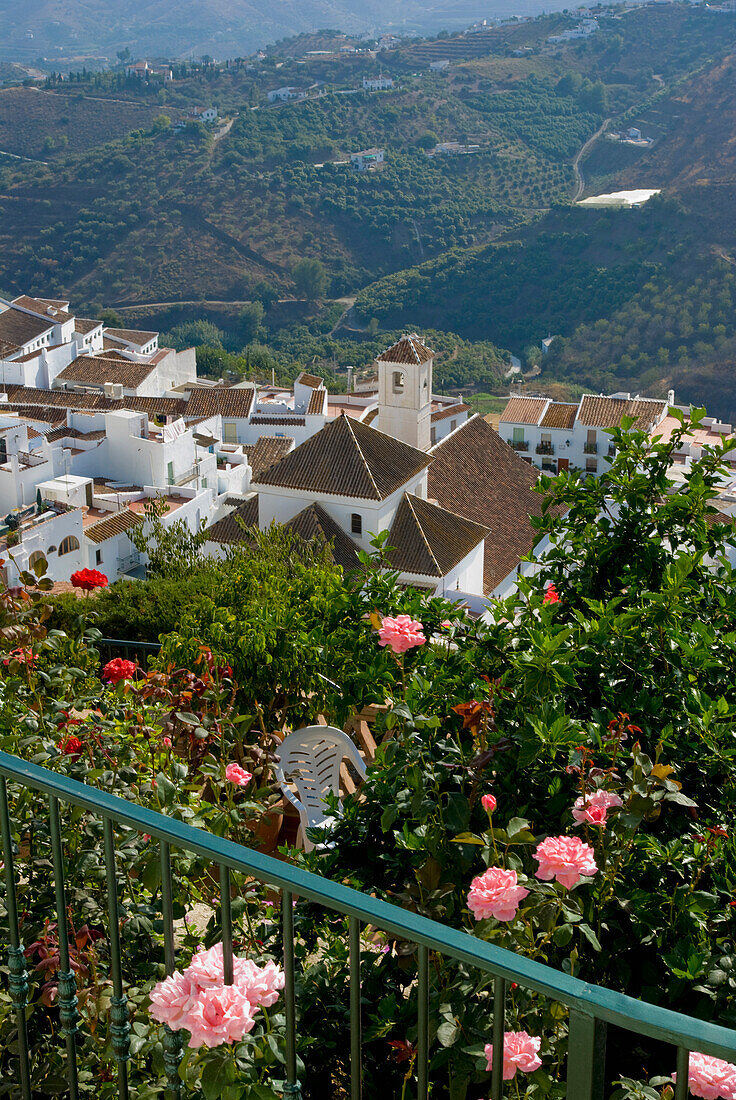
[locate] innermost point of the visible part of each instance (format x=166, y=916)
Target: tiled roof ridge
x=410, y=501
x=349, y=423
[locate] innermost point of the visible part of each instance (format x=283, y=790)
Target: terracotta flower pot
x=267, y=826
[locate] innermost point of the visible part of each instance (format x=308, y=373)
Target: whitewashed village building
x=556, y=436
x=95, y=422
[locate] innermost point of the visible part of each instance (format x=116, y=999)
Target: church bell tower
x=405, y=392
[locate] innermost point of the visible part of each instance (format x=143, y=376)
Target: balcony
x=590, y=448
x=129, y=563
x=520, y=445
x=545, y=449
x=611, y=450
x=589, y=1008
x=189, y=475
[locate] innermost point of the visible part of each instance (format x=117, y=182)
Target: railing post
x=291, y=1087
x=499, y=1024
x=18, y=980
x=682, y=1085
x=120, y=1022
x=356, y=1075
x=173, y=1042
x=68, y=1015
x=586, y=1057
x=423, y=1022
x=227, y=925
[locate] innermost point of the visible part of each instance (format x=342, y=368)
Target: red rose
x=89, y=579
x=71, y=747
x=551, y=595
x=117, y=670
x=24, y=656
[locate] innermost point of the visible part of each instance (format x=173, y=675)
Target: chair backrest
x=310, y=758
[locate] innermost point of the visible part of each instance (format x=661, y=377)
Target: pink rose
x=401, y=633
x=592, y=808
x=237, y=775
x=214, y=1013
x=495, y=893
x=172, y=999
x=565, y=858
x=488, y=802
x=220, y=1015
x=520, y=1051
x=166, y=742
x=710, y=1077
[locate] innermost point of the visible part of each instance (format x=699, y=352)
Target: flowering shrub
x=602, y=722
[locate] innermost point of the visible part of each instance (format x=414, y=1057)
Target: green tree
x=250, y=322
x=310, y=279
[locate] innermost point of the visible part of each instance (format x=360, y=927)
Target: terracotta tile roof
x=448, y=411
x=559, y=415
x=84, y=325
x=154, y=406
x=314, y=523
x=92, y=370
x=226, y=400
x=268, y=451
x=523, y=410
x=131, y=336
x=476, y=475
x=89, y=402
x=229, y=529
x=36, y=412
x=346, y=458
x=18, y=328
x=289, y=421
x=317, y=402
x=311, y=380
x=117, y=523
x=8, y=348
x=54, y=312
x=606, y=412
x=409, y=349
x=430, y=540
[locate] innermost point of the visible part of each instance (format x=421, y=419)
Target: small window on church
x=356, y=523
x=398, y=381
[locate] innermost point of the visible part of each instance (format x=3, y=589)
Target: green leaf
x=469, y=838
x=388, y=817
x=216, y=1076
x=590, y=935
x=447, y=1033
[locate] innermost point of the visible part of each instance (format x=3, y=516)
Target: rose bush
x=601, y=721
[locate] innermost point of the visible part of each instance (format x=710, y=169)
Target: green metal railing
x=591, y=1008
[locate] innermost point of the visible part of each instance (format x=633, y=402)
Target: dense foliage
x=606, y=680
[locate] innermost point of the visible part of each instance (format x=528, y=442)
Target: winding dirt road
x=580, y=182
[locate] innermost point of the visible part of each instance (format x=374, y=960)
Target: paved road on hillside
x=580, y=185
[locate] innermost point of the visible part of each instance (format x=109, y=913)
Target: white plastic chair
x=310, y=759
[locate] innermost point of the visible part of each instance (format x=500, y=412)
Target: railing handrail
x=154, y=647
x=605, y=1004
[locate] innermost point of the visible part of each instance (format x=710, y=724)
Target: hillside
x=132, y=214
x=224, y=28
x=131, y=220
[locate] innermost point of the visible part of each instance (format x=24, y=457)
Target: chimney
x=108, y=388
x=670, y=397
x=350, y=379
